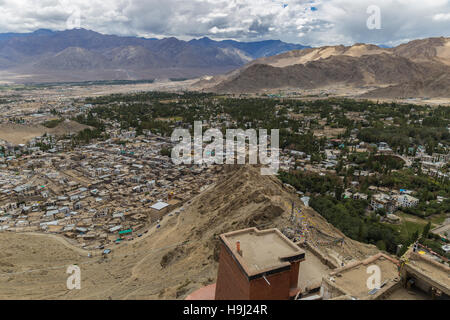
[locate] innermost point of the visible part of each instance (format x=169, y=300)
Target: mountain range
x=420, y=68
x=80, y=54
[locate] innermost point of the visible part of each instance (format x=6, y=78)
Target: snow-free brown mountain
x=80, y=54
x=419, y=68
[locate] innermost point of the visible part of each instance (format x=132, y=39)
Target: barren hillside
x=434, y=87
x=20, y=133
x=368, y=70
x=308, y=55
x=409, y=70
x=426, y=50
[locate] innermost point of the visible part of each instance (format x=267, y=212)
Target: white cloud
x=313, y=22
x=442, y=17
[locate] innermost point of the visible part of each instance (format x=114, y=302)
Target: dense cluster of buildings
x=97, y=194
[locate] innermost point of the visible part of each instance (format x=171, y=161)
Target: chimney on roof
x=238, y=248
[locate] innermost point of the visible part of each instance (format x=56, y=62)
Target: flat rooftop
x=352, y=279
x=312, y=270
x=430, y=270
x=262, y=251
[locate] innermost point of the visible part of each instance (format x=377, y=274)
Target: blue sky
x=312, y=22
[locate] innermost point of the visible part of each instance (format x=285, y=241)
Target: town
x=98, y=170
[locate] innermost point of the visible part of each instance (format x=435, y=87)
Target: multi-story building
x=407, y=201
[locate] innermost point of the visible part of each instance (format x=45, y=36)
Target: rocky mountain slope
x=418, y=68
x=431, y=87
x=46, y=54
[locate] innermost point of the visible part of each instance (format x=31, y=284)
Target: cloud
x=442, y=17
x=401, y=20
x=313, y=22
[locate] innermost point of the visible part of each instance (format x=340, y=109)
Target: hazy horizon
x=312, y=22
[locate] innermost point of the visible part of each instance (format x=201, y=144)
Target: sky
x=309, y=22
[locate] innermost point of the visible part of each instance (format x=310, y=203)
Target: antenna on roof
x=264, y=277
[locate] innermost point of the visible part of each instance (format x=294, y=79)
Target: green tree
x=426, y=231
x=414, y=237
x=339, y=191
x=381, y=245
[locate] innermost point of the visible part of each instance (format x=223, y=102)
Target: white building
x=407, y=201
